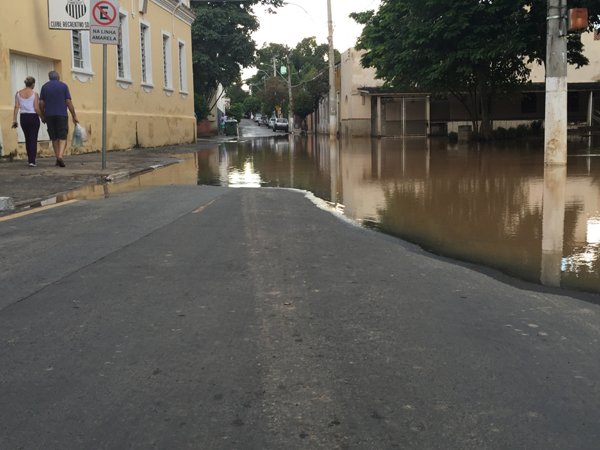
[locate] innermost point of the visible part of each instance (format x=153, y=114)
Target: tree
x=252, y=104
x=307, y=65
x=237, y=97
x=472, y=50
x=222, y=46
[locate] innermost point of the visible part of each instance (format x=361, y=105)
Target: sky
x=305, y=18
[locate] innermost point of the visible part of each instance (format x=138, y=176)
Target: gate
x=405, y=116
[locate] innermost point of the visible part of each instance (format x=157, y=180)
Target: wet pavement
x=30, y=185
x=489, y=206
x=249, y=318
x=210, y=318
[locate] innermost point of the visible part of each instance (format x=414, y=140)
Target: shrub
x=500, y=133
x=522, y=130
x=536, y=127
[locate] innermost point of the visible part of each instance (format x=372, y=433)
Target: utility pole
x=332, y=93
x=291, y=102
x=555, y=124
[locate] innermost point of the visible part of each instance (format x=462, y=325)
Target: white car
x=281, y=124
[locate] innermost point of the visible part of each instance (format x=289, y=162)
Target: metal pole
x=332, y=93
x=104, y=106
x=555, y=138
x=291, y=104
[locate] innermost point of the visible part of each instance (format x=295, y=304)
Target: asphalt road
x=208, y=318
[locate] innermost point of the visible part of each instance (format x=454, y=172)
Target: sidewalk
x=21, y=185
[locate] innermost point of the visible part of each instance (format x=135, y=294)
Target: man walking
x=55, y=99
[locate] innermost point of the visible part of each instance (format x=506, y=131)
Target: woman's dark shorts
x=58, y=127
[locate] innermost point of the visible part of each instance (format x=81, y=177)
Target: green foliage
x=537, y=127
x=307, y=65
x=222, y=46
x=535, y=29
x=237, y=96
x=304, y=104
x=252, y=104
x=470, y=49
x=236, y=111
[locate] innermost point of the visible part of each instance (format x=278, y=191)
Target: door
x=21, y=67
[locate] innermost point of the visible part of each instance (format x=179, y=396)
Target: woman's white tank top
x=26, y=104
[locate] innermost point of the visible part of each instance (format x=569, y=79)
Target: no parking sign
x=104, y=22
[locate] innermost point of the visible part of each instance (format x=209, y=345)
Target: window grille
x=182, y=68
x=165, y=50
x=78, y=61
x=144, y=55
x=120, y=58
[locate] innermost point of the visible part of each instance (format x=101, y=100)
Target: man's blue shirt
x=55, y=94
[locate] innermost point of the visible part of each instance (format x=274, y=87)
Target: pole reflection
x=494, y=205
x=555, y=182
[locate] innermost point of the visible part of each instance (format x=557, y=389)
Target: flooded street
x=491, y=205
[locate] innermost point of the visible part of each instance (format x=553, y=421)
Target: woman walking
x=27, y=101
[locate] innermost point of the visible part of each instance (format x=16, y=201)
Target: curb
x=7, y=204
x=126, y=174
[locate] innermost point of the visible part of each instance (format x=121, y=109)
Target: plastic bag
x=83, y=131
x=77, y=141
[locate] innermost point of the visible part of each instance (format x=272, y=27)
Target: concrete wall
x=357, y=117
x=588, y=73
x=355, y=109
x=145, y=114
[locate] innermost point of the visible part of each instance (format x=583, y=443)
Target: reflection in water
x=492, y=205
x=555, y=182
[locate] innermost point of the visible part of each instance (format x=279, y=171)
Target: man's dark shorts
x=58, y=127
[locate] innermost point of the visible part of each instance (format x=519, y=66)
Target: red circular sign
x=104, y=13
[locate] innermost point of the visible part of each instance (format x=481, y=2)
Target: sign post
x=104, y=29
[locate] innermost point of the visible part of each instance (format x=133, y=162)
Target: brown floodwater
x=494, y=205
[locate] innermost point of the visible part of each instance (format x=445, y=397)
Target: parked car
x=258, y=118
x=281, y=124
x=272, y=122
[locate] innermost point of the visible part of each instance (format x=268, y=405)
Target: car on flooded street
x=281, y=124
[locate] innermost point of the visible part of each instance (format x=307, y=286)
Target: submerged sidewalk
x=22, y=185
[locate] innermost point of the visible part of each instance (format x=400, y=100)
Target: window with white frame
x=145, y=54
x=80, y=50
x=182, y=67
x=167, y=64
x=123, y=55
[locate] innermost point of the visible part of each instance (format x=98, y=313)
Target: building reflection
x=492, y=205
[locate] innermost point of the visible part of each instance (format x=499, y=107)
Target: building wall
x=357, y=118
x=148, y=113
x=355, y=109
x=591, y=72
